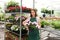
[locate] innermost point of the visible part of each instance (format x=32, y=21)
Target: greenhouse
x=29, y=19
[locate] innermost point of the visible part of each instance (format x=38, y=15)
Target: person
x=33, y=32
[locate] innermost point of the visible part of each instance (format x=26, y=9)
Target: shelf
x=13, y=32
x=13, y=13
x=52, y=18
x=8, y=22
x=2, y=22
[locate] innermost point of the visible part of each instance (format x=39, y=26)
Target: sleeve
x=38, y=19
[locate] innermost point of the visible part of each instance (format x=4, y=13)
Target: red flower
x=18, y=7
x=23, y=8
x=11, y=8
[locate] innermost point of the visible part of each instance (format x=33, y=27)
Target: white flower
x=16, y=29
x=34, y=23
x=29, y=22
x=13, y=27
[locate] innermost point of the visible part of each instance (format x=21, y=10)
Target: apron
x=33, y=33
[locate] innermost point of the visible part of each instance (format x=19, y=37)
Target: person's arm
x=25, y=23
x=39, y=22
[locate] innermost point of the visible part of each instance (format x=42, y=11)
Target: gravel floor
x=1, y=34
x=44, y=36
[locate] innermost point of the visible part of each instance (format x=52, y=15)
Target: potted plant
x=43, y=23
x=47, y=11
x=2, y=16
x=56, y=24
x=12, y=7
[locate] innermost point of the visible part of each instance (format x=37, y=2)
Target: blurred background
x=47, y=10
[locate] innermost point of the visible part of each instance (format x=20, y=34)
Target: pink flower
x=11, y=8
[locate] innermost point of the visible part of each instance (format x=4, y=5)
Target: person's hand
x=27, y=28
x=39, y=27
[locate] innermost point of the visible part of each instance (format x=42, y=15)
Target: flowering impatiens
x=32, y=24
